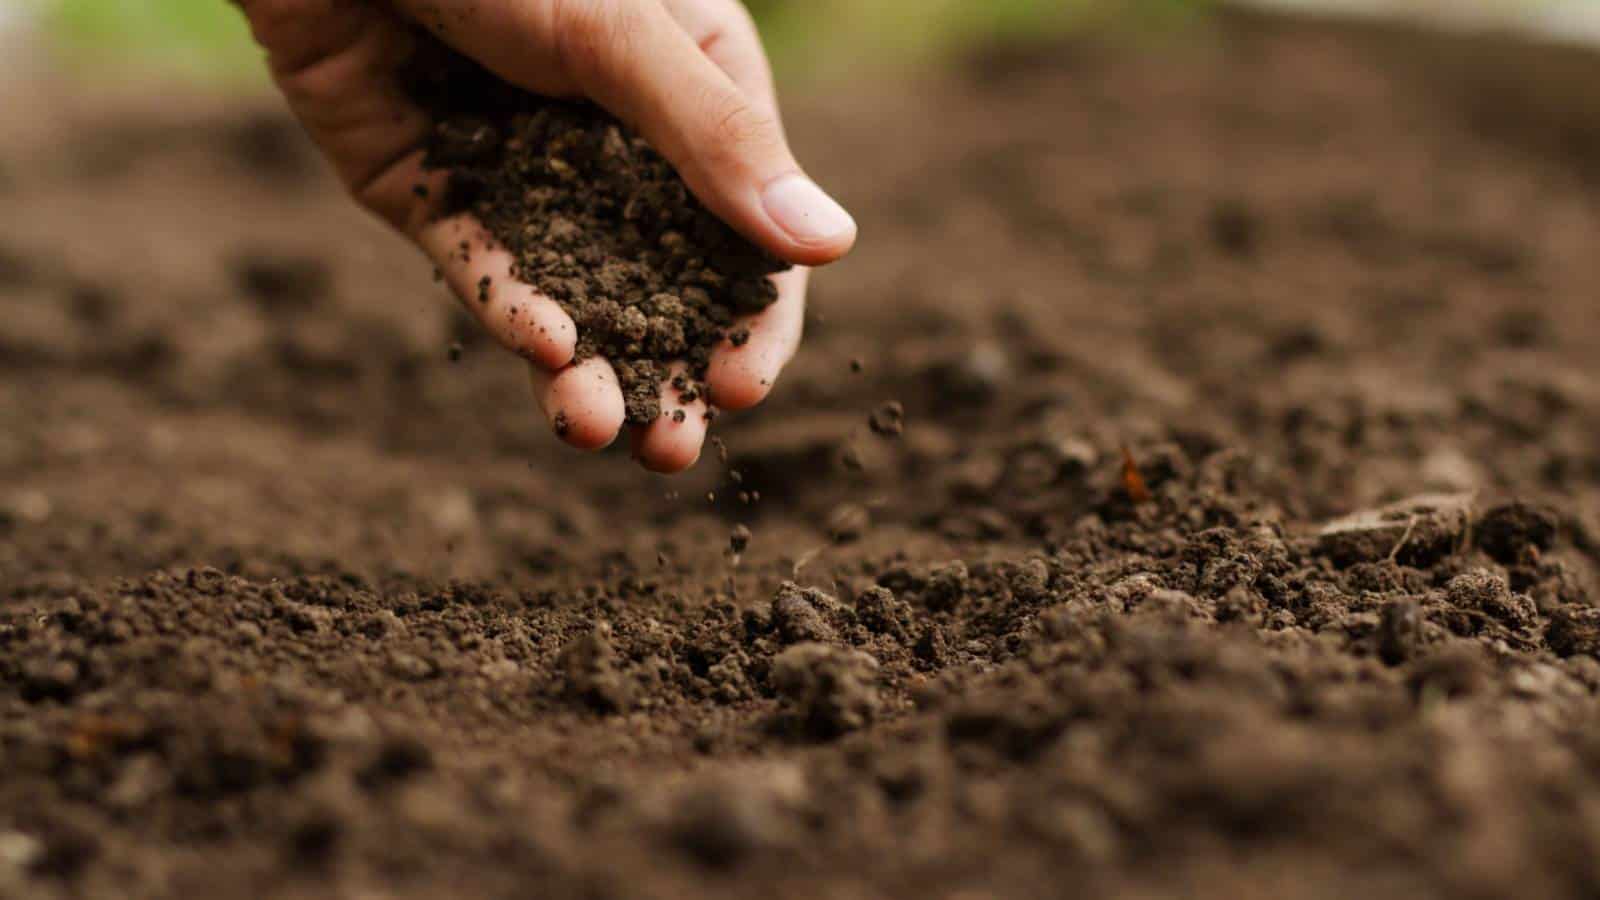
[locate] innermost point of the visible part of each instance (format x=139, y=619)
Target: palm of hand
x=336, y=63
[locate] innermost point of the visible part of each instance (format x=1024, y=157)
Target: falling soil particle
x=740, y=538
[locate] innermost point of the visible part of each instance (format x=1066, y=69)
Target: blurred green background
x=202, y=38
x=807, y=38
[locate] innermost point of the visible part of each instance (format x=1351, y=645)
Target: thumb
x=634, y=59
x=728, y=147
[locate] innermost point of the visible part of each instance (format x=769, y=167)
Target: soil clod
x=1417, y=531
x=827, y=691
x=595, y=219
x=888, y=420
x=592, y=677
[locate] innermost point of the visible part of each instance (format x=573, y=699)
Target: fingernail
x=804, y=211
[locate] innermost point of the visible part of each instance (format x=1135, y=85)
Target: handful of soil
x=595, y=219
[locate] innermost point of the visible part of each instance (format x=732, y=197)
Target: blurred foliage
x=808, y=38
x=206, y=38
x=835, y=35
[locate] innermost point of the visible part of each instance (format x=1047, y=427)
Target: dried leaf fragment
x=1132, y=482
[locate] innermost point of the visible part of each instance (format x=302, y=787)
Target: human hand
x=688, y=75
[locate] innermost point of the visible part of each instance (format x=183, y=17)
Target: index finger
x=725, y=32
x=479, y=272
x=747, y=363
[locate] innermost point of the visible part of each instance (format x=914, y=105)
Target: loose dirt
x=291, y=605
x=596, y=220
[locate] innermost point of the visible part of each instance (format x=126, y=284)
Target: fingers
x=742, y=376
x=727, y=35
x=688, y=74
x=582, y=402
x=634, y=58
x=729, y=147
x=335, y=63
x=479, y=272
x=672, y=443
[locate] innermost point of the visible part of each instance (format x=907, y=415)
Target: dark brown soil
x=290, y=605
x=595, y=219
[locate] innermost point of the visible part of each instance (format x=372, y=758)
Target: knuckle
x=299, y=34
x=369, y=189
x=731, y=26
x=737, y=129
x=274, y=20
x=741, y=22
x=591, y=37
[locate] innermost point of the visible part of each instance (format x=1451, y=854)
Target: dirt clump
x=801, y=614
x=595, y=219
x=888, y=420
x=1510, y=531
x=1574, y=630
x=826, y=691
x=592, y=672
x=1421, y=529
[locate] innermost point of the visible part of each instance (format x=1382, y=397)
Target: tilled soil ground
x=293, y=605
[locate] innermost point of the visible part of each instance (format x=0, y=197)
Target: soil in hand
x=595, y=219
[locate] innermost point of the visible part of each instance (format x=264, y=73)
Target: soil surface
x=597, y=220
x=293, y=605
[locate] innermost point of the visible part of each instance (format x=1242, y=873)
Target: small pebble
x=888, y=420
x=848, y=522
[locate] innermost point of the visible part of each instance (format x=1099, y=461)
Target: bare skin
x=689, y=75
